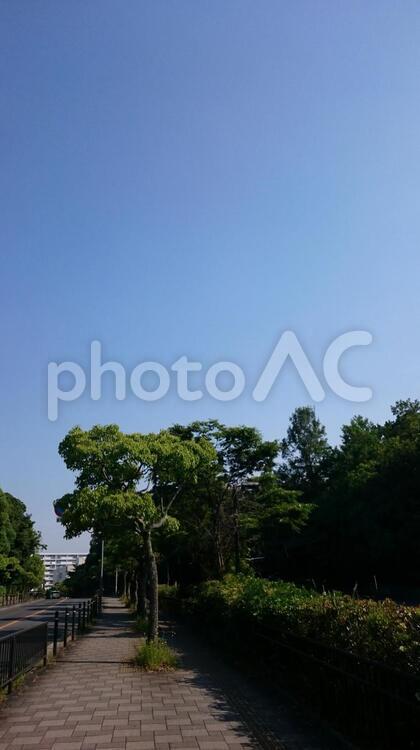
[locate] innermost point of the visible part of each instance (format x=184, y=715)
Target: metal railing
x=6, y=600
x=364, y=698
x=24, y=649
x=21, y=652
x=71, y=621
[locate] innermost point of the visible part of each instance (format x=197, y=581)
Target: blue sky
x=194, y=178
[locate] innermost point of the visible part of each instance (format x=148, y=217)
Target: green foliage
x=141, y=624
x=127, y=484
x=156, y=656
x=124, y=480
x=383, y=631
x=212, y=499
x=223, y=519
x=84, y=580
x=21, y=568
x=168, y=592
x=305, y=450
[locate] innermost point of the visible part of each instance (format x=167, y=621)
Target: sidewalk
x=93, y=699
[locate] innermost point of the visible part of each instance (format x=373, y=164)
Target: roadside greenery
x=201, y=501
x=126, y=486
x=21, y=567
x=382, y=631
x=156, y=656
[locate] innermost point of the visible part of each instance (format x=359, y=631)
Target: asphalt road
x=21, y=616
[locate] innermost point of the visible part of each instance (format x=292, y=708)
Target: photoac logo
x=287, y=348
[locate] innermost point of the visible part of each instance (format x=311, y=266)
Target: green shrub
x=156, y=656
x=141, y=624
x=168, y=592
x=382, y=631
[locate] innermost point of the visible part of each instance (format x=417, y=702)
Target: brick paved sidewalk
x=93, y=699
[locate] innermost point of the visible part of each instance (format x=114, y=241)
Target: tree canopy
x=21, y=567
x=197, y=501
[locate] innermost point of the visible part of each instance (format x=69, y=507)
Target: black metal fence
x=24, y=649
x=14, y=598
x=71, y=621
x=367, y=700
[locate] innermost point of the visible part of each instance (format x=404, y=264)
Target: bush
x=168, y=592
x=141, y=625
x=382, y=631
x=156, y=656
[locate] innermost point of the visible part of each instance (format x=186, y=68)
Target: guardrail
x=22, y=650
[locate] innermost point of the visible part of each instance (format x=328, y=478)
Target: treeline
x=337, y=516
x=296, y=508
x=21, y=567
x=365, y=526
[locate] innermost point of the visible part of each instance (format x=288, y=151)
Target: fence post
x=84, y=616
x=66, y=626
x=73, y=621
x=56, y=616
x=79, y=617
x=11, y=659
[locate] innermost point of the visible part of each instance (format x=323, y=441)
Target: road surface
x=21, y=616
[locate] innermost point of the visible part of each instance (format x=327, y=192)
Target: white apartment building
x=59, y=564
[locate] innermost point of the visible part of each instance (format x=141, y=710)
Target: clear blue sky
x=194, y=177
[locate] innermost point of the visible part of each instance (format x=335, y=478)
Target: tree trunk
x=132, y=589
x=236, y=539
x=136, y=591
x=125, y=584
x=142, y=603
x=152, y=574
x=218, y=551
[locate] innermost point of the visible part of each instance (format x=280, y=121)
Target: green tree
x=20, y=565
x=129, y=482
x=367, y=523
x=242, y=456
x=273, y=516
x=305, y=452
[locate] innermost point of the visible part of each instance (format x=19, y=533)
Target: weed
x=156, y=656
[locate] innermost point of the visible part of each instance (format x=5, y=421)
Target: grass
x=140, y=625
x=156, y=656
x=19, y=682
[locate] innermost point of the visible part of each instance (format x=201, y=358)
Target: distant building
x=59, y=564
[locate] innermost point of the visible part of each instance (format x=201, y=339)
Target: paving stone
x=93, y=699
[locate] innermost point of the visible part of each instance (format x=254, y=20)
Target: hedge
x=383, y=631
